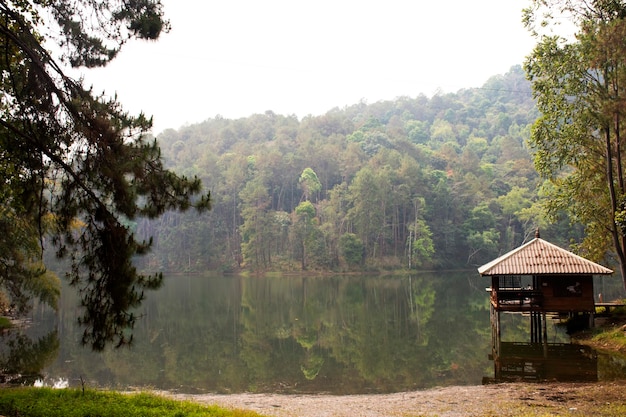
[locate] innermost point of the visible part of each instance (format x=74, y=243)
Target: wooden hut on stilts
x=539, y=278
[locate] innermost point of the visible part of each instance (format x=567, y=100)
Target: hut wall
x=564, y=293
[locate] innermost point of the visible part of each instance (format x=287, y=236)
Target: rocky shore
x=511, y=399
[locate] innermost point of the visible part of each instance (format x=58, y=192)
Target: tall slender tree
x=75, y=158
x=579, y=83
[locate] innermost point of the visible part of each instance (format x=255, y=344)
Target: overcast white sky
x=238, y=57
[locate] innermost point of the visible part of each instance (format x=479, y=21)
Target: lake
x=337, y=335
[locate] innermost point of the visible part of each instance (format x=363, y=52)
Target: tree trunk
x=618, y=239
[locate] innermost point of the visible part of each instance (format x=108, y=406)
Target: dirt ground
x=512, y=399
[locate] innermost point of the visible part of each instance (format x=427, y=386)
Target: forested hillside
x=420, y=182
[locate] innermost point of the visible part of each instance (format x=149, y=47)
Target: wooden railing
x=516, y=298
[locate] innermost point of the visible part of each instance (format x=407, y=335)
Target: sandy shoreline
x=572, y=399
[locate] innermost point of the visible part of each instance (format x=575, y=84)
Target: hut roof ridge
x=541, y=257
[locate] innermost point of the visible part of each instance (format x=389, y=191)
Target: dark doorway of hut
x=540, y=281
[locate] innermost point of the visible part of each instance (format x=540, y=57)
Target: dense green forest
x=421, y=183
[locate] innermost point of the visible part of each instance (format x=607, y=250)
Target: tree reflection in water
x=23, y=359
x=295, y=334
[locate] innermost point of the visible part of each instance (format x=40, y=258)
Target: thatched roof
x=539, y=257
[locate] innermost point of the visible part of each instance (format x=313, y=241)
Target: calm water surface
x=339, y=335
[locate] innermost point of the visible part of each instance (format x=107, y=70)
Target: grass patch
x=5, y=323
x=36, y=402
x=614, y=337
x=608, y=334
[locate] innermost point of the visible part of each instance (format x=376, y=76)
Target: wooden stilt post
x=498, y=339
x=495, y=331
x=533, y=327
x=545, y=334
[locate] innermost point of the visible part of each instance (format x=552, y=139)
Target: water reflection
x=339, y=335
x=554, y=359
x=22, y=359
x=538, y=362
